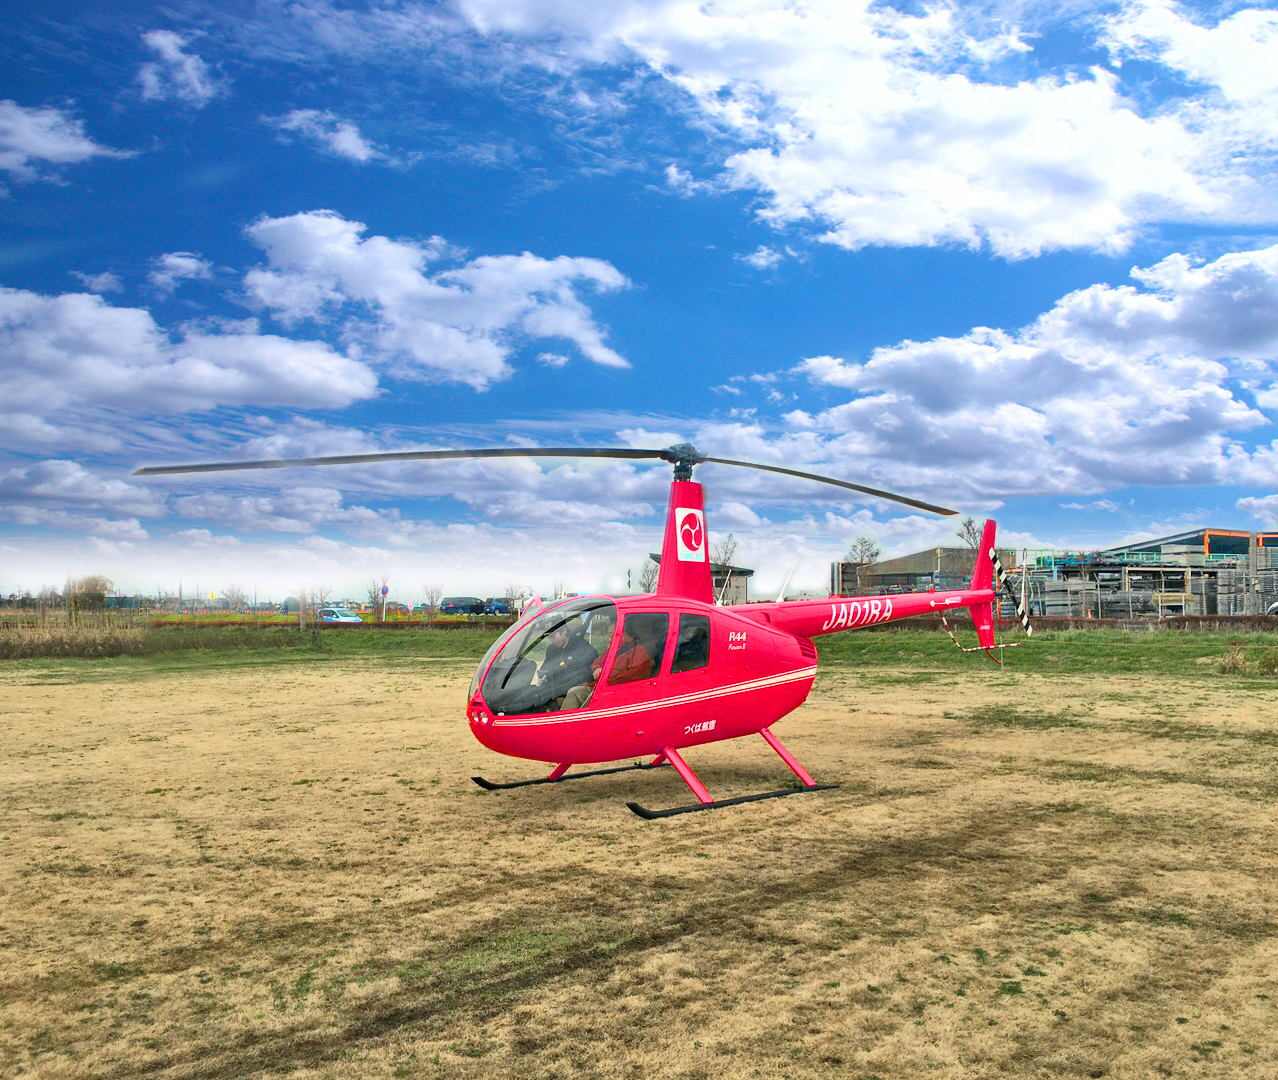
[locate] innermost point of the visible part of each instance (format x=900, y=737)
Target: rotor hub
x=683, y=456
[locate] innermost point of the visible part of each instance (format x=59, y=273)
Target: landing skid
x=692, y=808
x=705, y=802
x=558, y=777
x=669, y=755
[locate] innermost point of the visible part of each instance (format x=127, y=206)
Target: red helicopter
x=602, y=678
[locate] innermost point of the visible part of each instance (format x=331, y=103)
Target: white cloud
x=64, y=356
x=1236, y=56
x=683, y=183
x=878, y=126
x=1265, y=508
x=176, y=73
x=68, y=485
x=1112, y=386
x=64, y=521
x=99, y=283
x=177, y=266
x=65, y=496
x=294, y=509
x=31, y=137
x=337, y=136
x=1106, y=505
x=455, y=324
x=736, y=515
x=765, y=258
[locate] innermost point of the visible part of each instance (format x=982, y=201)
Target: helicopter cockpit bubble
x=531, y=669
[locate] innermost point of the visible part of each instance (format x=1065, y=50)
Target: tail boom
x=812, y=618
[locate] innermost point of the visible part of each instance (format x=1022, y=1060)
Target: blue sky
x=1016, y=258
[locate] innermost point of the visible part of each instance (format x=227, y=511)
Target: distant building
x=1203, y=571
x=731, y=583
x=940, y=568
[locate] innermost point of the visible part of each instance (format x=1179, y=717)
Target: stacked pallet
x=1233, y=588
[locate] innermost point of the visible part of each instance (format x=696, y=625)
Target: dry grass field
x=285, y=870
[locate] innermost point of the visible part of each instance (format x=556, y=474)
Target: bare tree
x=722, y=555
x=864, y=552
x=724, y=550
x=513, y=593
x=970, y=532
x=433, y=591
x=47, y=598
x=648, y=576
x=87, y=593
x=377, y=600
x=557, y=590
x=235, y=597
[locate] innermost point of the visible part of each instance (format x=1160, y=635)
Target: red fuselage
x=756, y=675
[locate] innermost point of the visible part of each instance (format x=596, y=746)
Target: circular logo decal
x=690, y=532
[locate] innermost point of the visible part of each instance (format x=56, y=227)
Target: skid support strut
x=704, y=800
x=557, y=775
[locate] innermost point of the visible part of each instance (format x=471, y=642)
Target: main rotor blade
x=403, y=455
x=682, y=454
x=837, y=483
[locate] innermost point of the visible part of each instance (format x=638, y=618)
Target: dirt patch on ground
x=235, y=872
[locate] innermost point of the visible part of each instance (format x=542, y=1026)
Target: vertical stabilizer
x=983, y=578
x=983, y=571
x=685, y=551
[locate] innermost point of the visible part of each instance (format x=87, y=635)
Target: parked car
x=1272, y=610
x=338, y=615
x=461, y=605
x=497, y=605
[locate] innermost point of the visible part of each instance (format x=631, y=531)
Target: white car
x=338, y=615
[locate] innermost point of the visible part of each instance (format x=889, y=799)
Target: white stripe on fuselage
x=660, y=703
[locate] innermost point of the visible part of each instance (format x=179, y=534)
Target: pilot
x=568, y=662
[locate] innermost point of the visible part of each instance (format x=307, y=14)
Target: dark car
x=461, y=605
x=497, y=605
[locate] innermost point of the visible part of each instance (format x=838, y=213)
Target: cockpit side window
x=693, y=650
x=642, y=648
x=534, y=668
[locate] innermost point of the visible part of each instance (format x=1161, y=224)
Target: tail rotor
x=988, y=576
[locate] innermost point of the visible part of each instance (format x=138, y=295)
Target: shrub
x=1267, y=663
x=82, y=641
x=1234, y=662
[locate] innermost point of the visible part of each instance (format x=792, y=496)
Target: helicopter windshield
x=533, y=669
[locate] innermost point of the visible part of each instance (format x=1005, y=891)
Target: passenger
x=633, y=661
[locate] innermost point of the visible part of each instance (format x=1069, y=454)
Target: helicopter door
x=642, y=648
x=690, y=670
x=692, y=651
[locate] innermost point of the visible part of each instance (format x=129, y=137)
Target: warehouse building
x=1203, y=571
